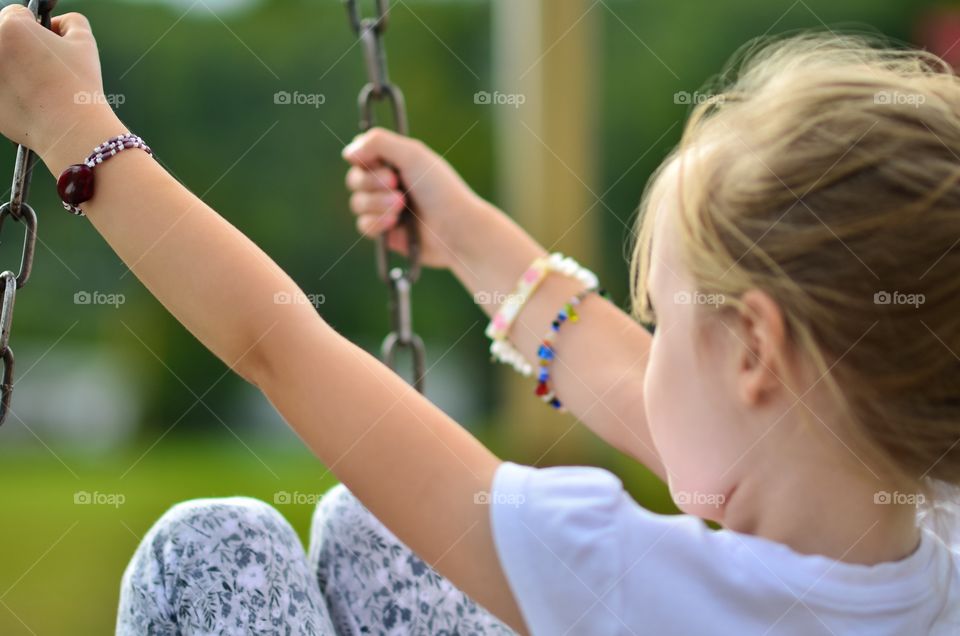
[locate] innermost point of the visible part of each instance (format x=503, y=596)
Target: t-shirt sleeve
x=556, y=532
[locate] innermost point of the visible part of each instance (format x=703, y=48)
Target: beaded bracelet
x=547, y=351
x=75, y=184
x=499, y=327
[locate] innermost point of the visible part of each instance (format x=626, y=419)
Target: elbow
x=254, y=361
x=276, y=350
x=251, y=367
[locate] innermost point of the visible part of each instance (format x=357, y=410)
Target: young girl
x=800, y=250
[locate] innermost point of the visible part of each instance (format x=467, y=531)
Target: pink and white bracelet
x=499, y=328
x=75, y=184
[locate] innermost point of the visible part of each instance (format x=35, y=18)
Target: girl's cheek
x=672, y=402
x=656, y=398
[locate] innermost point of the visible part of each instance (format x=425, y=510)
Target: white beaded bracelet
x=499, y=327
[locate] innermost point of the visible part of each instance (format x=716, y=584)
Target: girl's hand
x=448, y=211
x=51, y=79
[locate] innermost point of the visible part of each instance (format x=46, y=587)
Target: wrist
x=72, y=142
x=494, y=254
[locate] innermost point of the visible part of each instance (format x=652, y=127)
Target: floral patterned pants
x=235, y=566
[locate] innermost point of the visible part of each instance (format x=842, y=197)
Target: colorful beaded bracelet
x=75, y=184
x=499, y=327
x=548, y=352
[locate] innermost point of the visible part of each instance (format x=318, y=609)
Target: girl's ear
x=761, y=365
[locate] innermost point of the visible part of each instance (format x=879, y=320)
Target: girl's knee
x=198, y=514
x=337, y=505
x=196, y=534
x=194, y=509
x=338, y=516
x=186, y=538
x=189, y=526
x=342, y=524
x=212, y=563
x=334, y=499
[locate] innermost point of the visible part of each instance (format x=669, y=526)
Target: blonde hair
x=827, y=175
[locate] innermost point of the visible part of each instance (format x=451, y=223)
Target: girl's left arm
x=411, y=465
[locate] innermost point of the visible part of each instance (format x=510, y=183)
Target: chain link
x=20, y=211
x=399, y=280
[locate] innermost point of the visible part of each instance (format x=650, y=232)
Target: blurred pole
x=547, y=53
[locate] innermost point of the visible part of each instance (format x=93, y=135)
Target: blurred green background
x=116, y=399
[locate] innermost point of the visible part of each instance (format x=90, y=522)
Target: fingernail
x=398, y=200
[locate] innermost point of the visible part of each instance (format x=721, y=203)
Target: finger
x=16, y=11
x=377, y=203
x=396, y=236
x=20, y=29
x=371, y=180
x=365, y=225
x=371, y=225
x=378, y=146
x=72, y=26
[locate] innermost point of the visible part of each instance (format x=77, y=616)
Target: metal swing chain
x=19, y=210
x=399, y=280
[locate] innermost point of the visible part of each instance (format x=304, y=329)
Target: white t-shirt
x=583, y=558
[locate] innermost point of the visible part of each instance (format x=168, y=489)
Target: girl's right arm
x=599, y=371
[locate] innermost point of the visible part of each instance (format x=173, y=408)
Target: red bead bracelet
x=75, y=184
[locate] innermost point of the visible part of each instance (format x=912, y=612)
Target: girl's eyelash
x=651, y=325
